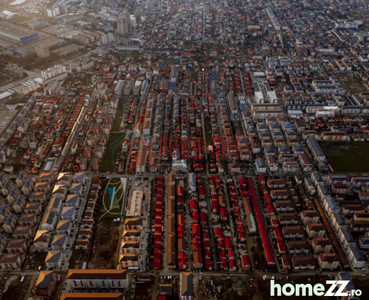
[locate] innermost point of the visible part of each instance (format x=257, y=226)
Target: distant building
x=127, y=47
x=43, y=51
x=56, y=11
x=53, y=72
x=123, y=22
x=66, y=50
x=14, y=33
x=106, y=38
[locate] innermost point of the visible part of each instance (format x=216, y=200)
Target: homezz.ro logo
x=337, y=288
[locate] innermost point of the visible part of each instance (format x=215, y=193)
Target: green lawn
x=19, y=20
x=118, y=193
x=112, y=151
x=349, y=157
x=350, y=83
x=117, y=202
x=92, y=11
x=207, y=127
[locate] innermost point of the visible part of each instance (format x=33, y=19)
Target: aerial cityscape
x=156, y=149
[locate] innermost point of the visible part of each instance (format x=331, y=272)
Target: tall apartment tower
x=123, y=22
x=106, y=38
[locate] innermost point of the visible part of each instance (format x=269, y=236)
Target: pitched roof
x=53, y=256
x=79, y=177
x=63, y=225
x=16, y=243
x=9, y=257
x=76, y=188
x=44, y=279
x=72, y=198
x=68, y=211
x=186, y=284
x=41, y=235
x=58, y=240
x=64, y=176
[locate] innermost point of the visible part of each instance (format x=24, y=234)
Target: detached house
x=27, y=187
x=41, y=240
x=10, y=223
x=49, y=221
x=68, y=213
x=21, y=178
x=72, y=200
x=45, y=283
x=46, y=177
x=16, y=246
x=79, y=178
x=59, y=242
x=42, y=187
x=76, y=188
x=55, y=205
x=10, y=261
x=64, y=179
x=64, y=227
x=19, y=204
x=60, y=191
x=54, y=259
x=37, y=197
x=22, y=232
x=27, y=220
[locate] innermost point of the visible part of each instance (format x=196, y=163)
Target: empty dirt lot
x=105, y=251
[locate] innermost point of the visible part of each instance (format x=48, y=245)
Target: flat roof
x=15, y=30
x=66, y=49
x=6, y=94
x=134, y=206
x=17, y=2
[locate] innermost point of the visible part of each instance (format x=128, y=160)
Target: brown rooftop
x=315, y=226
x=329, y=257
x=292, y=245
x=96, y=274
x=287, y=216
x=292, y=229
x=303, y=261
x=100, y=296
x=309, y=213
x=321, y=241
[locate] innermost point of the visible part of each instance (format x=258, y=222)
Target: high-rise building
x=106, y=38
x=123, y=22
x=56, y=11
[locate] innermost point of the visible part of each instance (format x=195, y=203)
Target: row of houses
x=338, y=221
x=301, y=231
